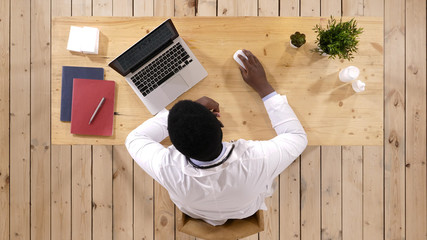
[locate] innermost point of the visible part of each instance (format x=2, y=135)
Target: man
x=213, y=180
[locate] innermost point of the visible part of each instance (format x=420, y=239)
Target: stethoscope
x=213, y=165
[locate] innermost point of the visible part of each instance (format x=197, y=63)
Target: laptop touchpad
x=175, y=87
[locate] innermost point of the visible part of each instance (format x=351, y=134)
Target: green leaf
x=338, y=39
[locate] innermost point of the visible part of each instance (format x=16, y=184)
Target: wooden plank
x=373, y=189
x=227, y=7
x=81, y=7
x=61, y=192
x=310, y=193
x=290, y=227
x=289, y=192
x=81, y=195
x=352, y=7
x=309, y=8
x=40, y=120
x=206, y=8
x=330, y=7
x=271, y=216
x=164, y=8
x=185, y=8
x=331, y=192
x=143, y=184
x=247, y=8
x=143, y=8
x=102, y=192
x=268, y=8
x=20, y=12
x=237, y=8
x=143, y=211
x=289, y=8
x=61, y=166
x=394, y=119
x=61, y=8
x=416, y=179
x=352, y=192
x=122, y=7
x=102, y=7
x=123, y=194
x=163, y=214
x=373, y=8
x=4, y=119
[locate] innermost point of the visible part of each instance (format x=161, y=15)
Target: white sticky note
x=90, y=41
x=74, y=39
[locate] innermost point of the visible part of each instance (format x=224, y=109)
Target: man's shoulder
x=248, y=148
x=170, y=157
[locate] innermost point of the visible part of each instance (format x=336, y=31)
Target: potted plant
x=297, y=39
x=338, y=39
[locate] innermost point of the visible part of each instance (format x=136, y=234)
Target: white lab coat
x=235, y=189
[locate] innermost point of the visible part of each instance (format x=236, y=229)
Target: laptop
x=159, y=67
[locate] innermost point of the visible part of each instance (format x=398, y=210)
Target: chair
x=232, y=229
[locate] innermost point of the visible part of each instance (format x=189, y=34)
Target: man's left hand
x=210, y=104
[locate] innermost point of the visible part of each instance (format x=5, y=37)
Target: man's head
x=195, y=131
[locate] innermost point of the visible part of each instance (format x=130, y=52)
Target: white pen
x=97, y=109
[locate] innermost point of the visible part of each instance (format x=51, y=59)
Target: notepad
x=83, y=39
x=68, y=74
x=87, y=93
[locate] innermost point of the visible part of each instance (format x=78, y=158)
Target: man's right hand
x=254, y=74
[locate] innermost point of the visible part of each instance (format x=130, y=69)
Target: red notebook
x=87, y=94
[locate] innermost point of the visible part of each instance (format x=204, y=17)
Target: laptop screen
x=146, y=48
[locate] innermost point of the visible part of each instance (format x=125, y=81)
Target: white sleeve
x=143, y=144
x=291, y=139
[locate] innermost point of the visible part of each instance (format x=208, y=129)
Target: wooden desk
x=330, y=111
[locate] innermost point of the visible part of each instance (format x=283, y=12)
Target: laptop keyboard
x=161, y=69
x=145, y=47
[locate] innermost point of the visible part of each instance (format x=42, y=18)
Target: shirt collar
x=205, y=163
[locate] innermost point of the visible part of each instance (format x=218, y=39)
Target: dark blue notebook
x=68, y=74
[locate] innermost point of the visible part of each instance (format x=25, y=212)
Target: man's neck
x=220, y=153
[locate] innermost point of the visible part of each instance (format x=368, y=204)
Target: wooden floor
x=97, y=192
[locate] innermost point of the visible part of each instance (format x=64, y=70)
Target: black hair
x=195, y=131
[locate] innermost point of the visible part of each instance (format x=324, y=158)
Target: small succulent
x=298, y=39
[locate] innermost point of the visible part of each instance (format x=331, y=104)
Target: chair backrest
x=232, y=229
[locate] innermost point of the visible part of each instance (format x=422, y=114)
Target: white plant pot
x=323, y=53
x=293, y=46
